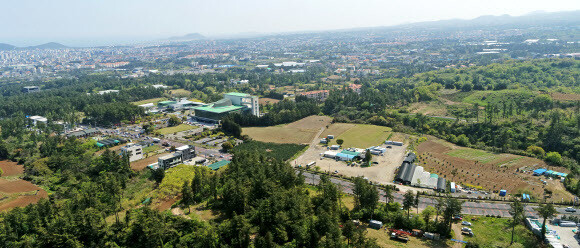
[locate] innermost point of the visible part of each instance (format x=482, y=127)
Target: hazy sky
x=28, y=22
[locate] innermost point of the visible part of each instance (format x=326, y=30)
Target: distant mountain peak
x=49, y=45
x=192, y=36
x=4, y=46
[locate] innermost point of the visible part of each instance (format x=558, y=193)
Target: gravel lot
x=383, y=172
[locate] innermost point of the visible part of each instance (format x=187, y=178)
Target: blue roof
x=540, y=171
x=347, y=156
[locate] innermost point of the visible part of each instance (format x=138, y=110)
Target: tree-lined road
x=470, y=208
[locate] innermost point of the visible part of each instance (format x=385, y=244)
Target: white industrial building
x=36, y=119
x=134, y=151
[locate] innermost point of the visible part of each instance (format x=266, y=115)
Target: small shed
x=219, y=164
x=330, y=154
x=503, y=192
x=375, y=224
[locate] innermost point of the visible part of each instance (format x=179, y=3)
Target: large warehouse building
x=232, y=103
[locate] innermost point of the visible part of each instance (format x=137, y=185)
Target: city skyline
x=106, y=22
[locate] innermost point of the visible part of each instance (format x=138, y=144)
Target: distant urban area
x=460, y=133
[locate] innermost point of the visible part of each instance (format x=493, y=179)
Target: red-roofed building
x=319, y=95
x=355, y=87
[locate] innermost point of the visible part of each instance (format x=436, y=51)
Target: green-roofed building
x=219, y=164
x=165, y=104
x=350, y=153
x=232, y=103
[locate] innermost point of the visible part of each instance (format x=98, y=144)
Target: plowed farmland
x=11, y=168
x=19, y=193
x=486, y=170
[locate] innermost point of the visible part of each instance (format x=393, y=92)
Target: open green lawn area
x=181, y=127
x=363, y=136
x=484, y=97
x=472, y=154
x=152, y=100
x=278, y=151
x=494, y=232
x=152, y=148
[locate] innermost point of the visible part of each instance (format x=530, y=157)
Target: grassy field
x=278, y=151
x=473, y=154
x=179, y=128
x=173, y=180
x=493, y=232
x=363, y=136
x=152, y=100
x=180, y=92
x=152, y=148
x=298, y=132
x=483, y=97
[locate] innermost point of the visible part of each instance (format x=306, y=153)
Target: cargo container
x=452, y=187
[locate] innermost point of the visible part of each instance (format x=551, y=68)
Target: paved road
x=471, y=208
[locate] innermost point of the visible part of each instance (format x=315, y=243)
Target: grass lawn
x=180, y=92
x=152, y=100
x=151, y=149
x=493, y=232
x=181, y=127
x=363, y=136
x=472, y=154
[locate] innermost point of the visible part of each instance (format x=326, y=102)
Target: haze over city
x=278, y=123
x=85, y=23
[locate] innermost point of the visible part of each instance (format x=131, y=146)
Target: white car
x=466, y=223
x=570, y=209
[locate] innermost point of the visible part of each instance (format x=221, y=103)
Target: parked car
x=457, y=217
x=570, y=209
x=466, y=229
x=466, y=223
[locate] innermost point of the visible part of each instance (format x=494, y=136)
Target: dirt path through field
x=457, y=230
x=313, y=144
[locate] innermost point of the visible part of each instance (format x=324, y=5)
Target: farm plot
x=10, y=168
x=19, y=193
x=298, y=132
x=485, y=170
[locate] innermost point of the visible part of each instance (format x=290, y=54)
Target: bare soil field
x=142, y=164
x=565, y=97
x=11, y=168
x=298, y=132
x=16, y=186
x=265, y=100
x=489, y=171
x=165, y=204
x=19, y=193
